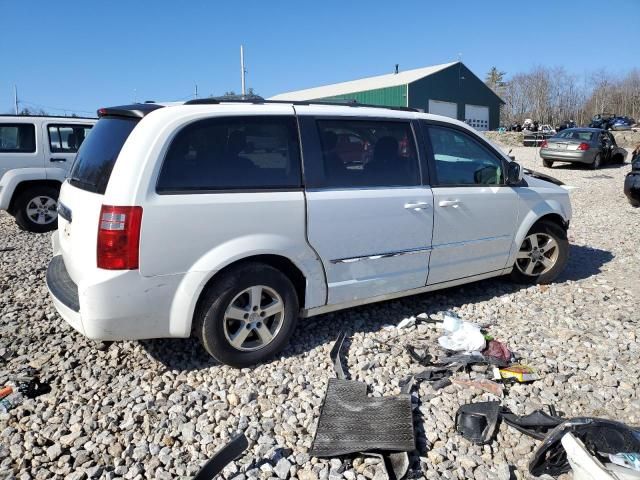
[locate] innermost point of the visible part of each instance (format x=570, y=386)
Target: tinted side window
x=67, y=138
x=233, y=153
x=17, y=137
x=461, y=160
x=366, y=153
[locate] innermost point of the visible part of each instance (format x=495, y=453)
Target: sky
x=78, y=56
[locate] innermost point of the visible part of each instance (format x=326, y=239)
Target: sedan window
x=461, y=160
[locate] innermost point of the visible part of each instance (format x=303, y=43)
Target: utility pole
x=15, y=98
x=196, y=91
x=242, y=70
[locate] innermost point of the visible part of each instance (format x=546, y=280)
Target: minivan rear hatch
x=81, y=196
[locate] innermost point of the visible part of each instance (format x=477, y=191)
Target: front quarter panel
x=535, y=201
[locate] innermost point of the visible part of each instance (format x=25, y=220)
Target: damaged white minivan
x=229, y=220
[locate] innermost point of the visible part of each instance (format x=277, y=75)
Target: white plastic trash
x=586, y=467
x=466, y=338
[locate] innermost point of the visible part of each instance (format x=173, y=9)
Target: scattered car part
x=33, y=388
x=599, y=435
x=7, y=249
x=478, y=422
x=422, y=359
x=232, y=450
x=473, y=358
x=536, y=424
x=586, y=466
x=352, y=422
x=481, y=384
x=626, y=460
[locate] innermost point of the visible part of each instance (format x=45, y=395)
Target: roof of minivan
x=11, y=115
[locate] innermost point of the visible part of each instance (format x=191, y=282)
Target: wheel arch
x=25, y=185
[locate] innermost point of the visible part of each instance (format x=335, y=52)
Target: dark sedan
x=592, y=146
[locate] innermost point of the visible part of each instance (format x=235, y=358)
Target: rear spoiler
x=136, y=110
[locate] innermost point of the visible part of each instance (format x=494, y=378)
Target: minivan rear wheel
x=247, y=315
x=36, y=209
x=543, y=254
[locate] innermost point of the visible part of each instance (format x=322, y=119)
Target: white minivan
x=230, y=220
x=36, y=153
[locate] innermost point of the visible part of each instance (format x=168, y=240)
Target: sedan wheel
x=538, y=255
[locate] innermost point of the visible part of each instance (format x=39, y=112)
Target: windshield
x=582, y=135
x=97, y=155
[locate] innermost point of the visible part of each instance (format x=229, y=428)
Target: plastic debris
x=482, y=384
x=10, y=402
x=497, y=349
x=4, y=391
x=627, y=460
x=465, y=359
x=233, y=449
x=519, y=373
x=7, y=249
x=478, y=422
x=536, y=424
x=602, y=437
x=407, y=322
x=466, y=337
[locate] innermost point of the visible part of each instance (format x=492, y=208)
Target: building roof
x=363, y=84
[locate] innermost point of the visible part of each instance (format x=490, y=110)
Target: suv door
x=63, y=142
x=369, y=220
x=475, y=212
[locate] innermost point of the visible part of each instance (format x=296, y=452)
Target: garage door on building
x=477, y=116
x=447, y=109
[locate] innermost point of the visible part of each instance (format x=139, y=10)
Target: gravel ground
x=158, y=409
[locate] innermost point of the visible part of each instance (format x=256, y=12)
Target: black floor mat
x=351, y=422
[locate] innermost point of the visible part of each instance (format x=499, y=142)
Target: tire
x=216, y=323
x=547, y=163
x=26, y=207
x=542, y=274
x=597, y=162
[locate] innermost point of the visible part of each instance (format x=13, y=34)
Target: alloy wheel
x=253, y=318
x=538, y=254
x=42, y=210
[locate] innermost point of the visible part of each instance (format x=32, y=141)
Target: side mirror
x=514, y=173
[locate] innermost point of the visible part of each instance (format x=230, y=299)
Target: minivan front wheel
x=247, y=315
x=36, y=209
x=543, y=254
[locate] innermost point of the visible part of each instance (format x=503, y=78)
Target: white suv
x=36, y=153
x=229, y=220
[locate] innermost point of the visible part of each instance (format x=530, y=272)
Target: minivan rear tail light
x=119, y=237
x=583, y=146
x=544, y=144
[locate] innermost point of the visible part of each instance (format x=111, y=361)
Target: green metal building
x=450, y=89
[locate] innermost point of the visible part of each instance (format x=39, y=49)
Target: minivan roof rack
x=260, y=100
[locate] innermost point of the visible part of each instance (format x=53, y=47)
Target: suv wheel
x=543, y=254
x=597, y=162
x=36, y=209
x=247, y=315
x=547, y=163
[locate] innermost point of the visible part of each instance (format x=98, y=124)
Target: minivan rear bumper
x=116, y=305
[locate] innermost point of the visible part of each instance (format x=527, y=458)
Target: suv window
x=233, y=153
x=67, y=138
x=97, y=155
x=17, y=137
x=366, y=153
x=461, y=160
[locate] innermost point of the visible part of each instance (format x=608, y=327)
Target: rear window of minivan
x=98, y=153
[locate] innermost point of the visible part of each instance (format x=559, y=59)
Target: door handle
x=450, y=203
x=416, y=205
x=57, y=160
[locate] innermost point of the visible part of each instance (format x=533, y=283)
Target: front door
x=369, y=218
x=475, y=213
